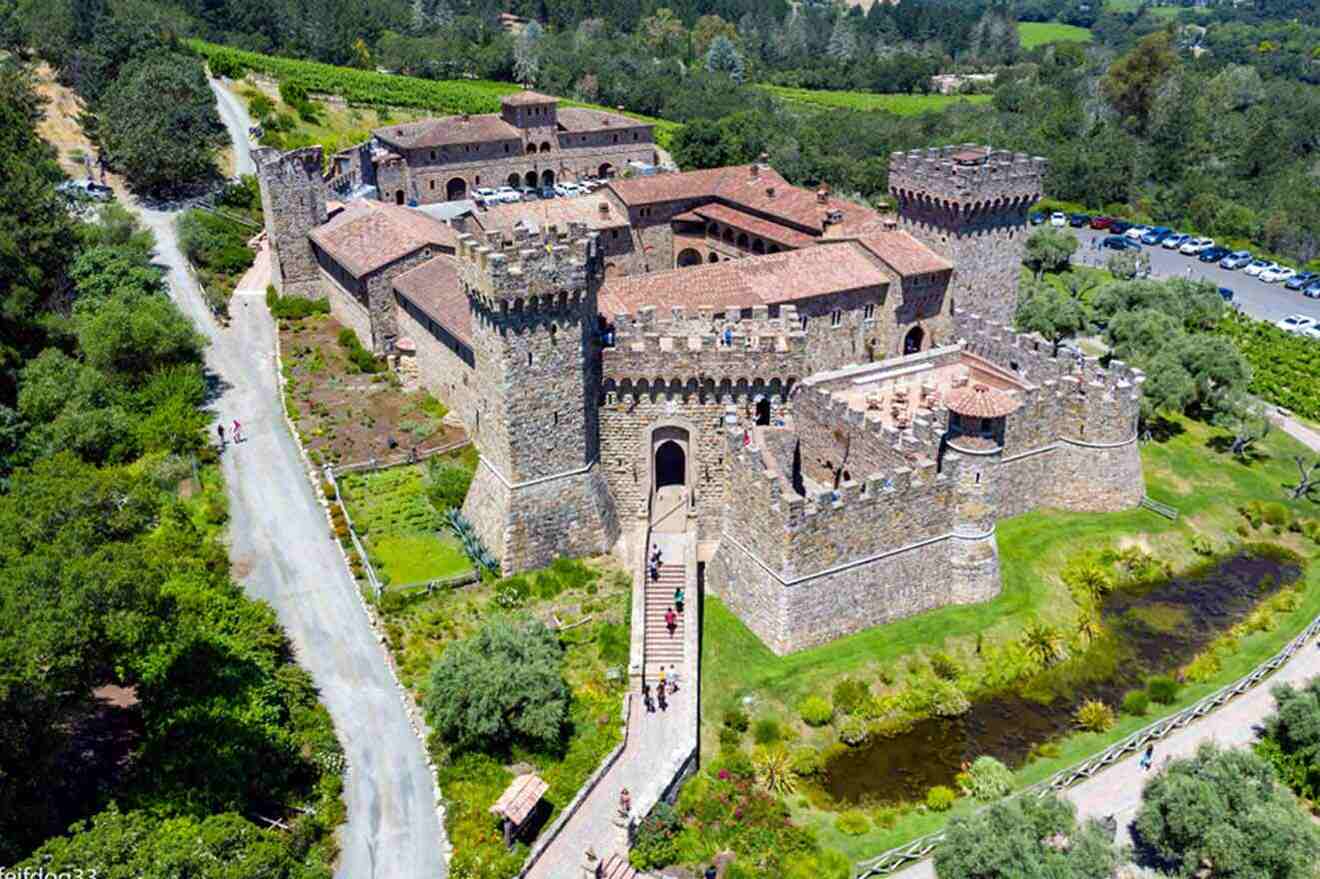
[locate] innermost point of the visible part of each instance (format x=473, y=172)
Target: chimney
x=769, y=192
x=823, y=195
x=756, y=170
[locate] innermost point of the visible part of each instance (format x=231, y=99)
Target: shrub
x=730, y=738
x=328, y=489
x=1095, y=716
x=853, y=731
x=806, y=761
x=1203, y=667
x=294, y=307
x=852, y=822
x=945, y=666
x=815, y=711
x=737, y=719
x=988, y=779
x=1162, y=689
x=656, y=844
x=358, y=357
x=501, y=685
x=886, y=817
x=940, y=798
x=1276, y=514
x=766, y=731
x=849, y=694
x=1136, y=703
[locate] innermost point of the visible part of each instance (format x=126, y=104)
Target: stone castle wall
x=439, y=368
x=293, y=203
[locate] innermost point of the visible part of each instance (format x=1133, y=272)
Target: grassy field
x=1038, y=33
x=902, y=105
x=1186, y=470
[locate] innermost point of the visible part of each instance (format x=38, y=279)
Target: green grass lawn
x=1185, y=471
x=902, y=105
x=414, y=558
x=1038, y=33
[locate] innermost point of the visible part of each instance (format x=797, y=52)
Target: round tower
x=293, y=201
x=969, y=204
x=538, y=492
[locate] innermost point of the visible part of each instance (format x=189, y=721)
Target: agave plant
x=1089, y=626
x=774, y=769
x=1043, y=643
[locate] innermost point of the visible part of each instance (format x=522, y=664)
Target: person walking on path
x=1147, y=757
x=673, y=679
x=671, y=621
x=678, y=599
x=664, y=704
x=625, y=803
x=646, y=698
x=656, y=556
x=662, y=679
x=220, y=429
x=654, y=571
x=238, y=431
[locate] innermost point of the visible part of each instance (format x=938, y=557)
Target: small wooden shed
x=518, y=802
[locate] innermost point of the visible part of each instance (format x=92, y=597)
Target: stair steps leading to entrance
x=617, y=867
x=662, y=649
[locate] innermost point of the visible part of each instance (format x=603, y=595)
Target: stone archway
x=530, y=179
x=670, y=452
x=763, y=411
x=688, y=257
x=670, y=465
x=547, y=177
x=912, y=341
x=456, y=189
x=605, y=170
x=514, y=180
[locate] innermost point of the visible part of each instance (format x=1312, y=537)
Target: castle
x=829, y=397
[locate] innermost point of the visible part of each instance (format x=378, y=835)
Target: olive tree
x=1025, y=836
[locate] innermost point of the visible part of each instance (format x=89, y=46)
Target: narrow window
x=529, y=358
x=836, y=317
x=868, y=311
x=804, y=321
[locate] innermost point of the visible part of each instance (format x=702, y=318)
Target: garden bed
x=347, y=407
x=941, y=662
x=401, y=526
x=587, y=603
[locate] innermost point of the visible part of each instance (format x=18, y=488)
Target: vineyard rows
x=1285, y=366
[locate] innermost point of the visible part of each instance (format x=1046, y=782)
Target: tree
x=664, y=32
x=159, y=124
x=501, y=685
x=842, y=47
x=1140, y=334
x=527, y=54
x=707, y=28
x=723, y=57
x=702, y=144
x=1050, y=249
x=1306, y=477
x=1290, y=742
x=1042, y=642
x=1126, y=265
x=1132, y=81
x=1222, y=813
x=1025, y=836
x=1248, y=421
x=133, y=337
x=1045, y=309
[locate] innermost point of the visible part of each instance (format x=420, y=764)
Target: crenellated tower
x=293, y=201
x=538, y=492
x=969, y=203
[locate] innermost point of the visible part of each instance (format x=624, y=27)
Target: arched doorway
x=605, y=170
x=513, y=180
x=688, y=257
x=398, y=196
x=670, y=465
x=531, y=149
x=547, y=177
x=530, y=179
x=714, y=257
x=545, y=146
x=912, y=341
x=456, y=189
x=763, y=411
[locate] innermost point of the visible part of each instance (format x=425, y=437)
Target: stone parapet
x=541, y=270
x=950, y=174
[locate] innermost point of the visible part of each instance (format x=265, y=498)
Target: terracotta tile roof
x=742, y=283
x=520, y=797
x=749, y=223
x=434, y=287
x=904, y=254
x=671, y=187
x=369, y=234
x=981, y=401
x=579, y=119
x=527, y=96
x=553, y=211
x=448, y=130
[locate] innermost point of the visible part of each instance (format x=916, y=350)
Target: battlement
x=531, y=269
x=298, y=166
x=1032, y=357
x=967, y=175
x=915, y=442
x=689, y=343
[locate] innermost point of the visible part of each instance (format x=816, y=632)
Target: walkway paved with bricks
x=1117, y=790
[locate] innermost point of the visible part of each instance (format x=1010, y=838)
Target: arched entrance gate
x=670, y=453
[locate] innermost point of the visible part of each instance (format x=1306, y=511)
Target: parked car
x=1257, y=266
x=1213, y=254
x=485, y=195
x=1300, y=280
x=1156, y=235
x=1197, y=245
x=1118, y=242
x=1296, y=323
x=1077, y=221
x=1312, y=333
x=1312, y=290
x=1238, y=259
x=1176, y=240
x=1101, y=222
x=1276, y=273
x=508, y=195
x=1226, y=294
x=1119, y=227
x=1058, y=219
x=1135, y=233
x=1037, y=219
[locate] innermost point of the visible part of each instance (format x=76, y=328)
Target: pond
x=1158, y=628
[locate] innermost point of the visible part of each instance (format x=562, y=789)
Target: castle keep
x=829, y=397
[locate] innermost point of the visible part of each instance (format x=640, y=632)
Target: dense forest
x=156, y=724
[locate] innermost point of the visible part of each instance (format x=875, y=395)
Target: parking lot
x=1255, y=297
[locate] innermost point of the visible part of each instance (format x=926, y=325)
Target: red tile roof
x=742, y=283
x=904, y=254
x=368, y=235
x=434, y=287
x=749, y=223
x=671, y=187
x=448, y=130
x=981, y=401
x=527, y=96
x=580, y=119
x=552, y=211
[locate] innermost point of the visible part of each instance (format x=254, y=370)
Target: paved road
x=1117, y=790
x=1258, y=299
x=233, y=112
x=283, y=553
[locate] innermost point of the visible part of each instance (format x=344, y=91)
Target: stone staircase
x=616, y=866
x=660, y=648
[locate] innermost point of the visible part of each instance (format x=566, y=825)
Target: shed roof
x=434, y=287
x=904, y=253
x=579, y=119
x=446, y=130
x=520, y=798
